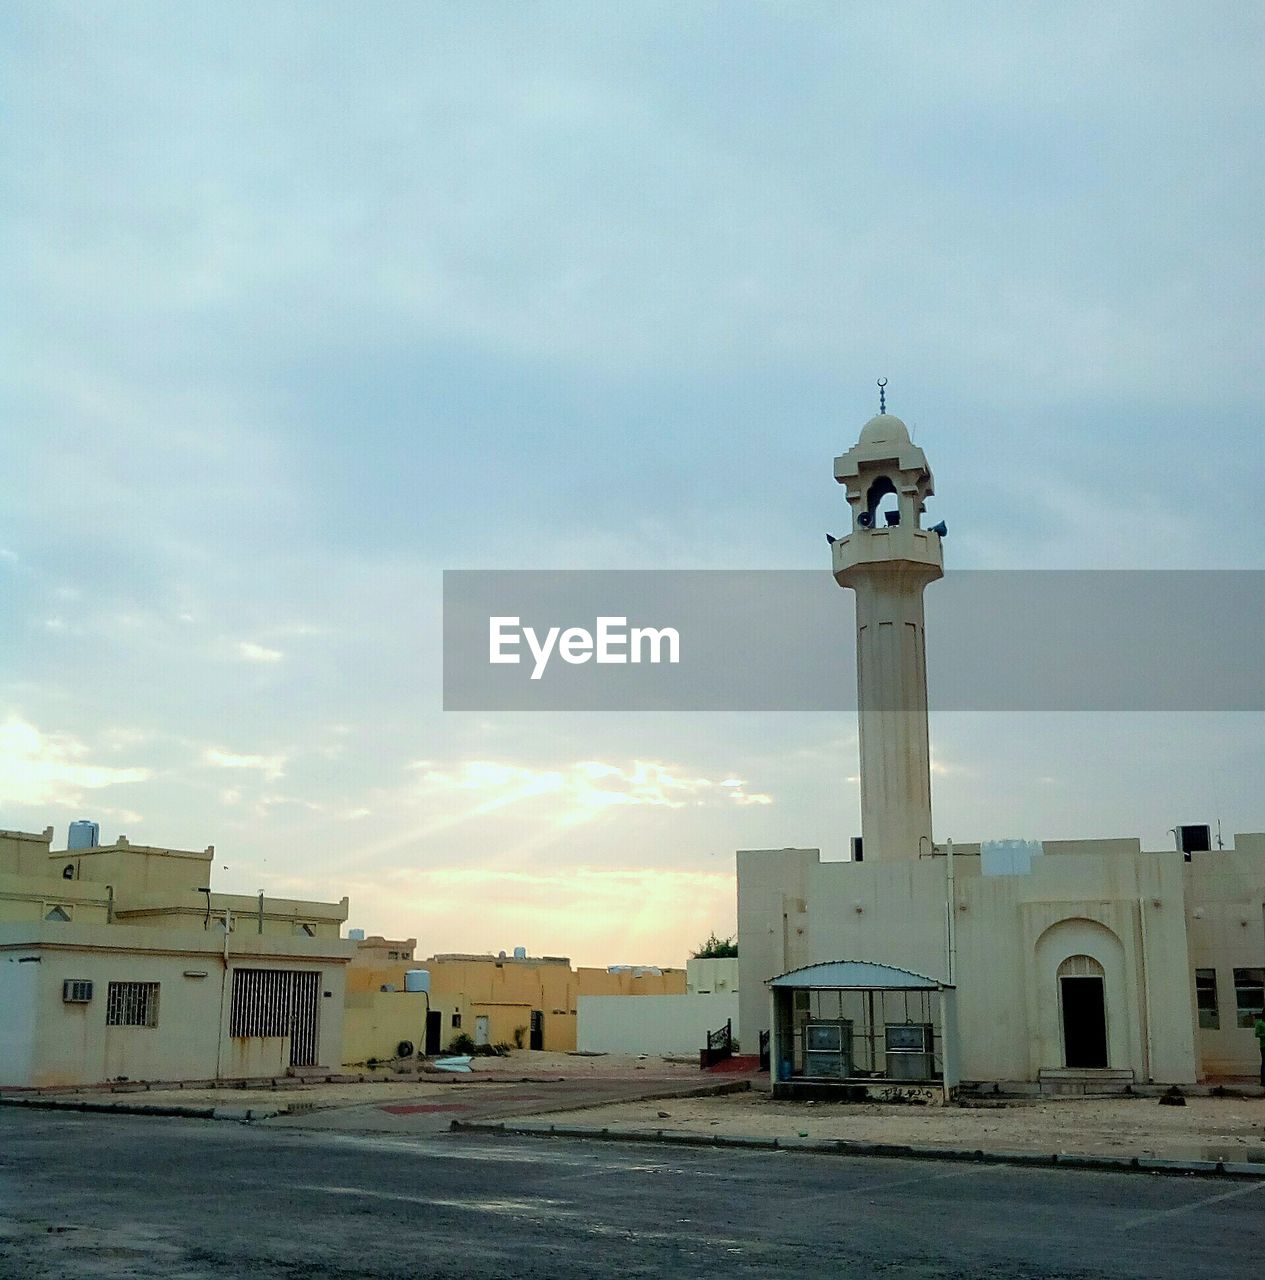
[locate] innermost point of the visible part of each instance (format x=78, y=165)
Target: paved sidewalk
x=1204, y=1133
x=425, y=1105
x=1254, y=1172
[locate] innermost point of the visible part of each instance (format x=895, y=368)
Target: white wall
x=772, y=925
x=651, y=1024
x=1012, y=932
x=19, y=1000
x=70, y=1044
x=711, y=975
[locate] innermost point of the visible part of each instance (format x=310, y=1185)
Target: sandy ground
x=390, y=1086
x=574, y=1066
x=1206, y=1128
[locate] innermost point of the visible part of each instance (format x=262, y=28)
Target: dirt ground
x=1206, y=1128
x=524, y=1062
x=386, y=1086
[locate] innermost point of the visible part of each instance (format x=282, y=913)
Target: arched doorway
x=1083, y=1012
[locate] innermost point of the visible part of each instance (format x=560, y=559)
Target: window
x=132, y=1004
x=456, y=1020
x=1249, y=994
x=1206, y=999
x=393, y=955
x=60, y=914
x=76, y=990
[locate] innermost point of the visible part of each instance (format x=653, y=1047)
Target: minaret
x=888, y=560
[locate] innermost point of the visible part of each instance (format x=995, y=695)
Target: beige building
x=529, y=1002
x=1073, y=962
x=118, y=962
x=1171, y=950
x=385, y=1018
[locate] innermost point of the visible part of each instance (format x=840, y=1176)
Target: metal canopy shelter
x=845, y=1025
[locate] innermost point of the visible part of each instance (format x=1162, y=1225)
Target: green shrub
x=716, y=948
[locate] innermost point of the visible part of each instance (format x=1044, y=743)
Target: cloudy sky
x=307, y=303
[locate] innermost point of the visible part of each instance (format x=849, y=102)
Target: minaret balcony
x=894, y=548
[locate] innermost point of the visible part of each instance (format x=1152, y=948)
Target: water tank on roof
x=520, y=953
x=356, y=935
x=417, y=980
x=83, y=835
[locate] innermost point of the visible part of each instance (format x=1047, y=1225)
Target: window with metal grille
x=1249, y=995
x=132, y=1004
x=76, y=990
x=1206, y=999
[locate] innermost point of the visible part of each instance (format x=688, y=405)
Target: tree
x=716, y=948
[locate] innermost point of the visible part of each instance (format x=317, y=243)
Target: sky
x=306, y=304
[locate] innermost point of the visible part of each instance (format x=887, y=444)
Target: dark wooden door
x=1084, y=1022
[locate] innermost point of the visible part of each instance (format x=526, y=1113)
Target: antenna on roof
x=882, y=395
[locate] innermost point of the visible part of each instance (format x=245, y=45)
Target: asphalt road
x=115, y=1196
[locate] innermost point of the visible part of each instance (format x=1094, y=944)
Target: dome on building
x=886, y=428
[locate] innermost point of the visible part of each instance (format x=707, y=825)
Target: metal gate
x=279, y=1002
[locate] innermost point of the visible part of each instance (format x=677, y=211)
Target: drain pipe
x=219, y=1032
x=951, y=934
x=1146, y=991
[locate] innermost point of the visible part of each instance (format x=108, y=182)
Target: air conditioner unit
x=909, y=1047
x=828, y=1050
x=76, y=991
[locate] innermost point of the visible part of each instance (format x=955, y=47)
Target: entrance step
x=1079, y=1082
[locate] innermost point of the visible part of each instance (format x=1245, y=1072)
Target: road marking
x=863, y=1190
x=866, y=1189
x=1188, y=1208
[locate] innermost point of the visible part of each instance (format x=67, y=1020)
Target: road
x=115, y=1196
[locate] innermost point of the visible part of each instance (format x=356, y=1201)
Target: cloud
x=248, y=651
x=600, y=915
x=272, y=767
x=584, y=790
x=39, y=768
x=286, y=393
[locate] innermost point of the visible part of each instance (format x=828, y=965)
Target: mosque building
x=916, y=966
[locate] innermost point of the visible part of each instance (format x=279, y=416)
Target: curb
x=713, y=1089
x=882, y=1150
x=240, y=1114
x=204, y=1111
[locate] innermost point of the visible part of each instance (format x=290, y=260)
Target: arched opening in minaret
x=882, y=503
